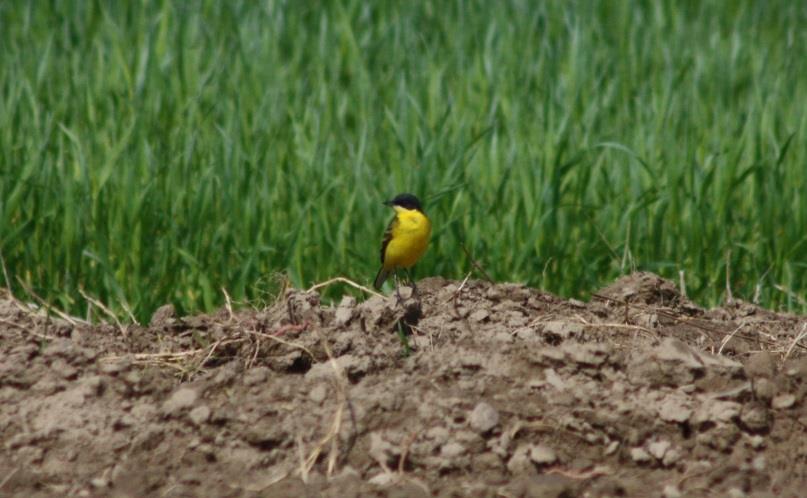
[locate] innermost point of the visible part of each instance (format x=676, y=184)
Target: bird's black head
x=406, y=201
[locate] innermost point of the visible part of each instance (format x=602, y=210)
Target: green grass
x=156, y=152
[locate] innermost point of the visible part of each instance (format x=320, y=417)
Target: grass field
x=156, y=152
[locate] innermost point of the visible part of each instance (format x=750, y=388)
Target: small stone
x=611, y=448
x=115, y=367
x=755, y=417
x=716, y=411
x=383, y=479
x=123, y=422
x=524, y=333
x=183, y=398
x=796, y=367
x=490, y=462
x=761, y=364
x=318, y=393
x=255, y=376
x=658, y=448
x=675, y=351
x=560, y=330
x=484, y=417
x=759, y=463
x=164, y=315
x=64, y=370
x=452, y=450
x=58, y=347
x=674, y=409
x=199, y=415
x=671, y=491
x=520, y=462
x=353, y=365
x=439, y=434
x=736, y=493
x=343, y=315
x=503, y=336
x=345, y=311
x=226, y=373
x=756, y=441
x=592, y=354
x=132, y=378
x=543, y=455
x=99, y=482
x=554, y=380
x=381, y=450
x=671, y=457
x=764, y=389
x=783, y=401
x=639, y=455
x=93, y=384
x=478, y=316
x=347, y=302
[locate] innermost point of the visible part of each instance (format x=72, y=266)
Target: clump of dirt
x=468, y=389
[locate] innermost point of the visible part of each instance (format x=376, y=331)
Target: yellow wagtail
x=405, y=239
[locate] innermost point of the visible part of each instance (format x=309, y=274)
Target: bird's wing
x=388, y=237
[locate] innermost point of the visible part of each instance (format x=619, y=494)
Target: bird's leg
x=412, y=283
x=397, y=287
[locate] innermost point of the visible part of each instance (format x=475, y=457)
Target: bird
x=405, y=240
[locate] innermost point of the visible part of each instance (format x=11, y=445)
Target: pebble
x=671, y=491
x=164, y=315
x=182, y=398
x=503, y=336
x=764, y=389
x=520, y=462
x=256, y=375
x=479, y=315
x=755, y=417
x=343, y=315
x=452, y=450
x=99, y=482
x=671, y=457
x=200, y=415
x=345, y=311
x=318, y=393
x=383, y=479
x=381, y=450
x=124, y=421
x=756, y=441
x=115, y=367
x=524, y=333
x=674, y=409
x=761, y=364
x=639, y=455
x=132, y=378
x=783, y=401
x=658, y=448
x=484, y=417
x=543, y=455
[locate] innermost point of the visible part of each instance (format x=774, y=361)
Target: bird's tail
x=380, y=278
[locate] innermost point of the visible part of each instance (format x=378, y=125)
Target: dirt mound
x=472, y=389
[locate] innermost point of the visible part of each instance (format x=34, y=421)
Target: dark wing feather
x=388, y=237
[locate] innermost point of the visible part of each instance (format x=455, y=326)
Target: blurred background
x=159, y=151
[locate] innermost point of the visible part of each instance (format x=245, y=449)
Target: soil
x=500, y=391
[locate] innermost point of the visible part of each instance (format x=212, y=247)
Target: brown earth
x=507, y=392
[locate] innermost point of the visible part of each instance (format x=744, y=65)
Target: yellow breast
x=410, y=238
